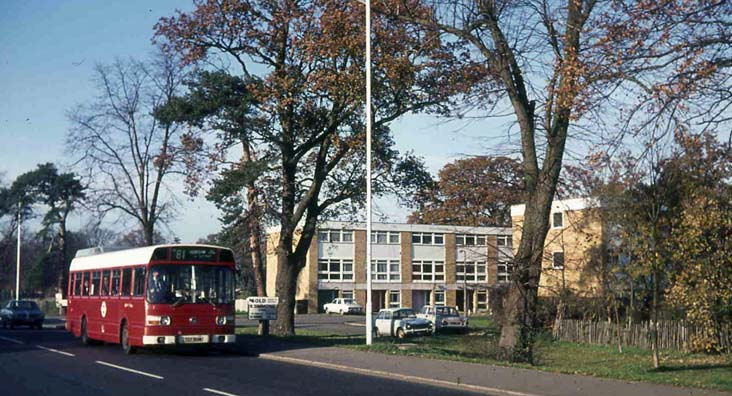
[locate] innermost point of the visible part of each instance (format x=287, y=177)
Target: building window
x=469, y=240
x=439, y=297
x=385, y=270
x=557, y=220
x=558, y=260
x=482, y=300
x=347, y=294
x=503, y=273
x=504, y=240
x=428, y=271
x=470, y=271
x=395, y=299
x=385, y=237
x=335, y=269
x=335, y=236
x=428, y=238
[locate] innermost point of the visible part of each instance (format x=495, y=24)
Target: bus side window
x=105, y=283
x=139, y=281
x=85, y=289
x=94, y=289
x=77, y=284
x=126, y=281
x=115, y=282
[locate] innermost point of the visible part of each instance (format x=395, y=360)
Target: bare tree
x=128, y=155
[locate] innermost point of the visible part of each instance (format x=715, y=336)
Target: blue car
x=21, y=312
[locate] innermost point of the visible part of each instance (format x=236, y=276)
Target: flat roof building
x=574, y=250
x=412, y=265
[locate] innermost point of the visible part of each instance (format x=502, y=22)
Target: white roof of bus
x=122, y=258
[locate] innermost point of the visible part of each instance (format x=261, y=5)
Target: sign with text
x=262, y=308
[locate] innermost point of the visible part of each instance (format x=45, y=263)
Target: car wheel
x=342, y=312
x=125, y=341
x=3, y=323
x=327, y=311
x=84, y=335
x=11, y=324
x=39, y=325
x=376, y=332
x=400, y=333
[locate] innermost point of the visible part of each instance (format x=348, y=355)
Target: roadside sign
x=262, y=308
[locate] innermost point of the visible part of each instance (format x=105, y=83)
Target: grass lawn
x=479, y=346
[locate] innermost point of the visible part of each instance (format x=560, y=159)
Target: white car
x=400, y=322
x=343, y=306
x=443, y=317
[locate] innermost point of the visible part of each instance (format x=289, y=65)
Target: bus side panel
x=135, y=316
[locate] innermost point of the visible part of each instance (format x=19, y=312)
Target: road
x=334, y=324
x=52, y=362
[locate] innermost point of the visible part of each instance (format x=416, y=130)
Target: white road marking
x=130, y=370
x=218, y=392
x=403, y=377
x=55, y=350
x=13, y=340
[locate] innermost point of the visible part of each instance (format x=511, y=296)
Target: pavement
x=460, y=376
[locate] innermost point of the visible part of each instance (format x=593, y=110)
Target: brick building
x=575, y=247
x=412, y=265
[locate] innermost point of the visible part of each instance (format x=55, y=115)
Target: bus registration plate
x=194, y=339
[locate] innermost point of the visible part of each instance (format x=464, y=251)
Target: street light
x=17, y=263
x=369, y=322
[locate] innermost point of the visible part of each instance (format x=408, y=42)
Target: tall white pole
x=17, y=263
x=369, y=321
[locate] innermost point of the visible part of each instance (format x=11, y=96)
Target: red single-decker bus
x=156, y=295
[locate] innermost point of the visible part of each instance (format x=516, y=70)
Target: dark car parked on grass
x=21, y=312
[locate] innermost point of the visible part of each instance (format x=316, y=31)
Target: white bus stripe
x=13, y=340
x=219, y=392
x=55, y=350
x=129, y=369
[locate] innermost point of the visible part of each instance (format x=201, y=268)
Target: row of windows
x=422, y=270
x=116, y=282
x=418, y=238
x=335, y=236
x=335, y=269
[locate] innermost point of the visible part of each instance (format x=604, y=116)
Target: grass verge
x=479, y=345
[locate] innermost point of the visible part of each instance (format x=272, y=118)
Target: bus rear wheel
x=125, y=341
x=84, y=335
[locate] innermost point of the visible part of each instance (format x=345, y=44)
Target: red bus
x=156, y=295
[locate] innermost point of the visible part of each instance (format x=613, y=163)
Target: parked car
x=400, y=322
x=443, y=317
x=21, y=312
x=343, y=306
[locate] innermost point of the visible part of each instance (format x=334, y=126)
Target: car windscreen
x=406, y=313
x=190, y=284
x=447, y=311
x=25, y=305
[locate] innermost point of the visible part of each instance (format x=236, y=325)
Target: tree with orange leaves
x=305, y=64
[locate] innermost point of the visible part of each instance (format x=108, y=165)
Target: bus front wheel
x=125, y=341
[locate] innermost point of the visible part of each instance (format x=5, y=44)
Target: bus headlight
x=155, y=320
x=224, y=320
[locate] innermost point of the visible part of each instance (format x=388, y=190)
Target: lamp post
x=17, y=263
x=369, y=321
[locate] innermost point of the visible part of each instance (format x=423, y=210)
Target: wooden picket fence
x=674, y=335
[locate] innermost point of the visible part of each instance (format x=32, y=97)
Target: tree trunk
x=518, y=331
x=654, y=324
x=63, y=270
x=286, y=285
x=148, y=233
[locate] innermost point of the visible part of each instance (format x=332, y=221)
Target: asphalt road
x=334, y=324
x=52, y=362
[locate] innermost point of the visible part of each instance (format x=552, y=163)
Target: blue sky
x=48, y=50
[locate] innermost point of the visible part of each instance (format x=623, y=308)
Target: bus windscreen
x=190, y=284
